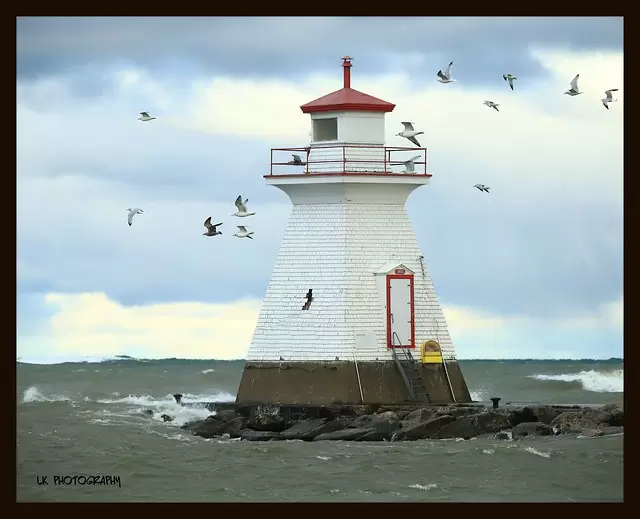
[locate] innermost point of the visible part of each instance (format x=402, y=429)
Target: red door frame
x=411, y=299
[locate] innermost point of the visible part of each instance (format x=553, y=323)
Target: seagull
x=482, y=187
x=242, y=233
x=409, y=133
x=509, y=78
x=211, y=229
x=609, y=98
x=493, y=105
x=445, y=77
x=242, y=208
x=297, y=160
x=574, y=91
x=132, y=213
x=409, y=165
x=144, y=116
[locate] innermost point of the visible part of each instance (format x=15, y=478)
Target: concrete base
x=325, y=383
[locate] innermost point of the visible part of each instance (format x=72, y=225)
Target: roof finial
x=346, y=64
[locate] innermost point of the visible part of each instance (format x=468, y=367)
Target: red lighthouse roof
x=347, y=99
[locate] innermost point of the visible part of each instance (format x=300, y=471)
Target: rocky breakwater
x=364, y=423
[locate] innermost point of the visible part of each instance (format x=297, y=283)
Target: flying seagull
x=132, y=213
x=409, y=165
x=144, y=116
x=211, y=229
x=509, y=78
x=242, y=233
x=493, y=105
x=242, y=208
x=609, y=98
x=574, y=90
x=482, y=187
x=445, y=77
x=409, y=133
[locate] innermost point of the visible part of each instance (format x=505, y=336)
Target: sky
x=532, y=270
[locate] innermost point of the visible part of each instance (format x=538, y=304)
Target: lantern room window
x=325, y=129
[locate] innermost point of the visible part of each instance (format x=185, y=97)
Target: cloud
x=95, y=326
x=296, y=46
x=91, y=324
x=545, y=244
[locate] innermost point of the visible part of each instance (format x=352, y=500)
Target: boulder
x=612, y=429
x=461, y=428
x=612, y=414
x=385, y=423
x=235, y=426
x=546, y=414
x=259, y=436
x=327, y=413
x=207, y=428
x=424, y=430
x=375, y=436
x=361, y=421
x=297, y=431
x=166, y=418
x=344, y=434
x=531, y=429
x=456, y=411
x=504, y=435
x=267, y=422
x=418, y=416
x=225, y=415
x=524, y=415
x=573, y=422
x=333, y=425
x=491, y=421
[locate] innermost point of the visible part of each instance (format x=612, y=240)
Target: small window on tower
x=307, y=303
x=325, y=129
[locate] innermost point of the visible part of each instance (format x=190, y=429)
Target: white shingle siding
x=335, y=249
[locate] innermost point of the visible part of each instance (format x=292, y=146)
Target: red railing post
x=271, y=167
x=385, y=160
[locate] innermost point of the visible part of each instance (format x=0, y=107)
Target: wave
x=32, y=394
x=187, y=398
x=591, y=380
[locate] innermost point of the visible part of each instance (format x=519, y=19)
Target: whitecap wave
x=33, y=394
x=591, y=380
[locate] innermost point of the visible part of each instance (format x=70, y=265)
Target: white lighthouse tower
x=350, y=315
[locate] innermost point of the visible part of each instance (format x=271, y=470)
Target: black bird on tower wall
x=307, y=303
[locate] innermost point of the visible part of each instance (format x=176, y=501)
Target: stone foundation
x=325, y=383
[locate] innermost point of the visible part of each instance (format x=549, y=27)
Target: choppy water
x=87, y=418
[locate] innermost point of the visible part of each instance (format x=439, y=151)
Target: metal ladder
x=413, y=380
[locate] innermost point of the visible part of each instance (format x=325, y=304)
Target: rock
x=491, y=421
x=546, y=414
x=385, y=423
x=458, y=412
x=524, y=415
x=611, y=429
x=325, y=412
x=267, y=422
x=333, y=425
x=592, y=433
x=375, y=436
x=225, y=415
x=418, y=416
x=572, y=422
x=531, y=429
x=301, y=428
x=344, y=434
x=461, y=428
x=612, y=415
x=166, y=418
x=504, y=435
x=361, y=421
x=235, y=427
x=148, y=412
x=207, y=428
x=259, y=436
x=425, y=429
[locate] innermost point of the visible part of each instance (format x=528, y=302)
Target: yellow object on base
x=431, y=353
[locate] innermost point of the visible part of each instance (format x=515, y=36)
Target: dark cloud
x=480, y=47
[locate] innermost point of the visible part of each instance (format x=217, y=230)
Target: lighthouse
x=350, y=315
